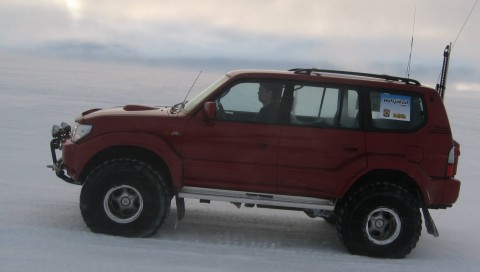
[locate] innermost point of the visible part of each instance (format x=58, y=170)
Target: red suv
x=364, y=151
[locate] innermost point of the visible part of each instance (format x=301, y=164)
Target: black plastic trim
x=308, y=71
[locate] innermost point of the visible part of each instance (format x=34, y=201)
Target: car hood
x=132, y=118
x=128, y=110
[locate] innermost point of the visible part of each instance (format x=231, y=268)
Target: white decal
x=395, y=107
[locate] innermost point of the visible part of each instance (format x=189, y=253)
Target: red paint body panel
x=319, y=162
x=235, y=156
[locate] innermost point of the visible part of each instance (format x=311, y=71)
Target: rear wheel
x=380, y=220
x=124, y=197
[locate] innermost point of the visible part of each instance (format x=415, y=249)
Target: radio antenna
x=411, y=44
x=466, y=20
x=442, y=77
x=191, y=87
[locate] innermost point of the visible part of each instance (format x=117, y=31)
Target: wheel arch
x=395, y=176
x=129, y=151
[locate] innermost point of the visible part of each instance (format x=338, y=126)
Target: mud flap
x=180, y=202
x=429, y=224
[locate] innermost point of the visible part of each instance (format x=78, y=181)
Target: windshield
x=203, y=94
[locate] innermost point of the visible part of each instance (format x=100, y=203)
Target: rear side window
x=394, y=111
x=330, y=107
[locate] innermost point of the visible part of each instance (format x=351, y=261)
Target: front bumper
x=60, y=134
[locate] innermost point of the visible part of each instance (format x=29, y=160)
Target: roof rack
x=308, y=71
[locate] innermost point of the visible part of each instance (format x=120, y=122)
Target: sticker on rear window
x=395, y=107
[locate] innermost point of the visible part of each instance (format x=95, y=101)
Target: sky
x=367, y=36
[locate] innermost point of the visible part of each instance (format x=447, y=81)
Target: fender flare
x=155, y=144
x=398, y=164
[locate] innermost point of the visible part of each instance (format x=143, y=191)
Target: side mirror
x=210, y=110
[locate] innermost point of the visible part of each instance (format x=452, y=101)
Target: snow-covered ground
x=41, y=228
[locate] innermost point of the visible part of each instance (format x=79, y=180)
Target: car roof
x=334, y=77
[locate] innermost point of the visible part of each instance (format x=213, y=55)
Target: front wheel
x=124, y=197
x=380, y=220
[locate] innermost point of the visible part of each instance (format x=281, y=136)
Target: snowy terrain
x=41, y=228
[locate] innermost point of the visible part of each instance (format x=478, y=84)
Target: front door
x=239, y=149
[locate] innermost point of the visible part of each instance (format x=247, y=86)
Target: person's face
x=264, y=95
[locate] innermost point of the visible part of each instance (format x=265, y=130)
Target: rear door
x=323, y=145
x=397, y=133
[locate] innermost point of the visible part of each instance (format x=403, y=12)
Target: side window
x=250, y=102
x=396, y=111
x=316, y=106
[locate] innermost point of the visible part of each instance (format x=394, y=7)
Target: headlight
x=80, y=131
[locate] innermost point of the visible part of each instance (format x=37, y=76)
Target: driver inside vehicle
x=269, y=94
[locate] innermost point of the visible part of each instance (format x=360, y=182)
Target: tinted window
x=393, y=111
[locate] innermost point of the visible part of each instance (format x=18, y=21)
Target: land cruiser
x=367, y=152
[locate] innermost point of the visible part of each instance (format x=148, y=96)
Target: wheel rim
x=123, y=204
x=383, y=226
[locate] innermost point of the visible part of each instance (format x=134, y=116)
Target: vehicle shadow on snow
x=223, y=224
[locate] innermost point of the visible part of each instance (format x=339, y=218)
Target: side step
x=257, y=198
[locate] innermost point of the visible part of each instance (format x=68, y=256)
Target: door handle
x=262, y=145
x=350, y=147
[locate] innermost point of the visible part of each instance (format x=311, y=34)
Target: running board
x=257, y=198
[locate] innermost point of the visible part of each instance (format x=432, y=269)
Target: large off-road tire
x=380, y=219
x=124, y=197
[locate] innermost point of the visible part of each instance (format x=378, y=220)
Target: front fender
x=77, y=156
